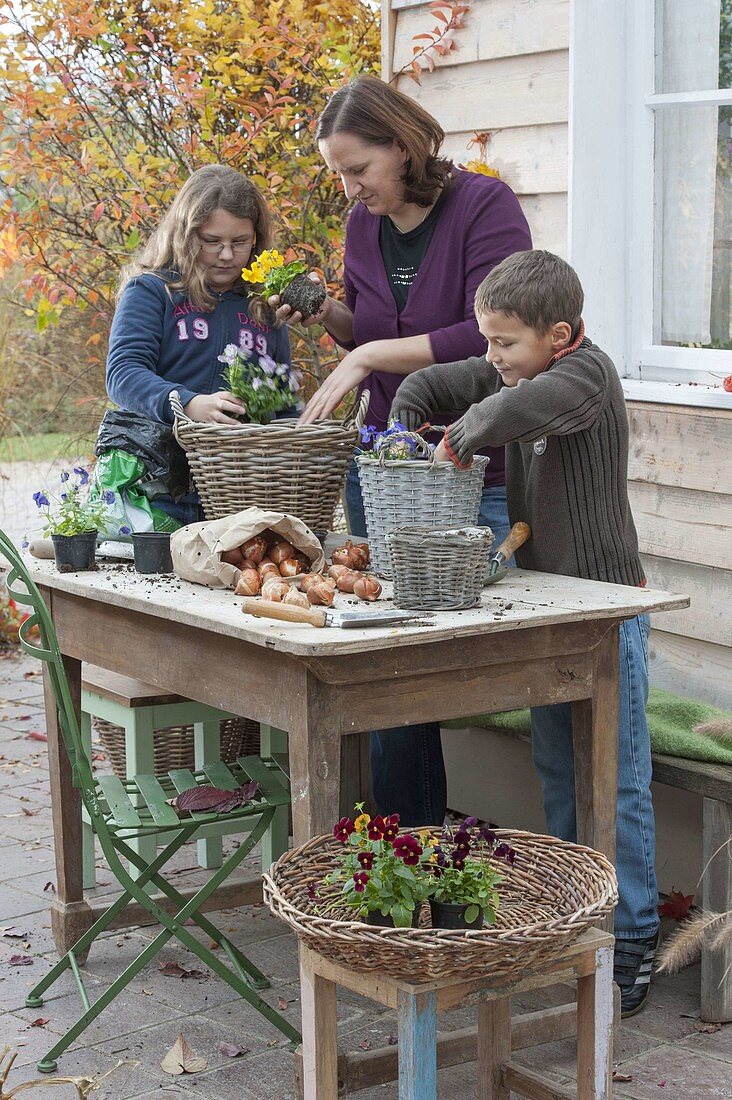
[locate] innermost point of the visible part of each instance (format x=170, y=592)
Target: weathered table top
x=522, y=600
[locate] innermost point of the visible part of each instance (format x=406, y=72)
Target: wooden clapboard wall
x=510, y=76
x=680, y=484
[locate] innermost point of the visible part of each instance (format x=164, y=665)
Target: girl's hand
x=441, y=454
x=215, y=408
x=284, y=313
x=349, y=373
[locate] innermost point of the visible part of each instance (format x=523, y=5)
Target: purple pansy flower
x=82, y=474
x=41, y=500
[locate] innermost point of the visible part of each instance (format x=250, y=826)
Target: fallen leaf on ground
x=49, y=886
x=20, y=960
x=35, y=735
x=41, y=1021
x=175, y=970
x=281, y=1003
x=27, y=812
x=232, y=1050
x=181, y=1059
x=618, y=1076
x=706, y=1028
x=11, y=931
x=365, y=1044
x=391, y=1040
x=662, y=1084
x=678, y=906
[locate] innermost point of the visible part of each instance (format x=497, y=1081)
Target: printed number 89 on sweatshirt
x=199, y=326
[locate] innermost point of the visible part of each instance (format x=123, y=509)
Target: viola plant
x=464, y=871
x=265, y=387
x=71, y=511
x=381, y=870
x=395, y=443
x=271, y=276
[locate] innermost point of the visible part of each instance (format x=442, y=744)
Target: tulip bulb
x=267, y=566
x=249, y=583
x=281, y=551
x=296, y=597
x=320, y=595
x=367, y=588
x=347, y=580
x=352, y=555
x=255, y=548
x=290, y=567
x=274, y=589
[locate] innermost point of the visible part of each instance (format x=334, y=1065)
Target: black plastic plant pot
x=387, y=921
x=152, y=551
x=74, y=553
x=449, y=914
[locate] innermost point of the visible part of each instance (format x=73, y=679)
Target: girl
x=182, y=300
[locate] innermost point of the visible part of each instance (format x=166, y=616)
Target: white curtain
x=687, y=59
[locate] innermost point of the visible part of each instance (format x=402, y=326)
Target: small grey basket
x=438, y=570
x=404, y=492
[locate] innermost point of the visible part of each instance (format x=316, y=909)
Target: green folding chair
x=140, y=807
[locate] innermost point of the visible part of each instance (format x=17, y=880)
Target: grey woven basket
x=438, y=570
x=284, y=466
x=409, y=492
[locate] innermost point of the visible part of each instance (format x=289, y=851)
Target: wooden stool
x=589, y=961
x=140, y=709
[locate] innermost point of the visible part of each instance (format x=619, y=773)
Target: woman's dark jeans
x=407, y=766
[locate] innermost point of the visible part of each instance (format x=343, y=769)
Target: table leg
x=71, y=916
x=595, y=729
x=595, y=1029
x=319, y=1033
x=315, y=762
x=417, y=1020
x=494, y=1048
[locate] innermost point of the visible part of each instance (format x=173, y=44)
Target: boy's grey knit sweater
x=566, y=433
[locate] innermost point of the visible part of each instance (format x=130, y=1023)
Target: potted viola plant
x=464, y=875
x=382, y=870
x=270, y=275
x=73, y=520
x=265, y=387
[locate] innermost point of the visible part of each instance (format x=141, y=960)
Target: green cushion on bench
x=671, y=721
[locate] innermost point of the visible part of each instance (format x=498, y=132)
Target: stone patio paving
x=662, y=1050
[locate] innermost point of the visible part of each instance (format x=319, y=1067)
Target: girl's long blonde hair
x=173, y=249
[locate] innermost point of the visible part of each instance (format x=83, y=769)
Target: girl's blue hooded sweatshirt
x=160, y=342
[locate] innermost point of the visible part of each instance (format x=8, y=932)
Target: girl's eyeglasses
x=215, y=248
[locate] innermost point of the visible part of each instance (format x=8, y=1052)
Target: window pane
x=693, y=45
x=693, y=226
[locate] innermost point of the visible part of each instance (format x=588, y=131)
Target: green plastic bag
x=121, y=472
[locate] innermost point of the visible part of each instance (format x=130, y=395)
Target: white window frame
x=611, y=200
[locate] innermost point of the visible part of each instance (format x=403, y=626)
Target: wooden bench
x=713, y=782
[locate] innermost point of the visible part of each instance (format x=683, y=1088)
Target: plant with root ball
x=272, y=276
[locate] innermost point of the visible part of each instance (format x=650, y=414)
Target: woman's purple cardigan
x=480, y=224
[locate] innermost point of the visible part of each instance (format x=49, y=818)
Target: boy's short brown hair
x=537, y=287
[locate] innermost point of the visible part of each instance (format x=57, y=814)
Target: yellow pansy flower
x=361, y=823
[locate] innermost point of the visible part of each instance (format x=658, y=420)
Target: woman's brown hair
x=380, y=115
x=173, y=249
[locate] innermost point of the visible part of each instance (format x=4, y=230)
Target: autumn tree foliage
x=108, y=106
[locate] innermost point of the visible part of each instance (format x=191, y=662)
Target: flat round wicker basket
x=553, y=891
x=174, y=746
x=299, y=469
x=406, y=492
x=438, y=570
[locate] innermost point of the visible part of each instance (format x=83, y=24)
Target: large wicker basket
x=438, y=570
x=299, y=469
x=405, y=492
x=552, y=892
x=174, y=745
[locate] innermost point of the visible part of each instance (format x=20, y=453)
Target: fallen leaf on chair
x=20, y=960
x=41, y=1021
x=678, y=905
x=232, y=1050
x=706, y=1028
x=618, y=1076
x=35, y=735
x=202, y=798
x=11, y=932
x=282, y=1003
x=175, y=970
x=181, y=1059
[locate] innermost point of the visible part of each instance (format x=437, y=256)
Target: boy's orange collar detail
x=572, y=347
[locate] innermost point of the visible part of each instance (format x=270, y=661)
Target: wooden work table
x=535, y=638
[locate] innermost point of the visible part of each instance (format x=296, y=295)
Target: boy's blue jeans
x=407, y=768
x=551, y=736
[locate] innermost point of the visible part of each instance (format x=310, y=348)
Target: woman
x=182, y=300
x=419, y=240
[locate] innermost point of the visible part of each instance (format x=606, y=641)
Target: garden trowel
x=516, y=537
x=317, y=616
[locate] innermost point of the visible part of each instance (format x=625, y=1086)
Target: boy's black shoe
x=632, y=966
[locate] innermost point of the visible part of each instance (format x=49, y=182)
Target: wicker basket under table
x=552, y=892
x=405, y=492
x=284, y=466
x=174, y=745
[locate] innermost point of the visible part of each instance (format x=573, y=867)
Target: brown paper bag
x=197, y=548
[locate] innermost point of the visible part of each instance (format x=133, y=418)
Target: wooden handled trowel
x=516, y=537
x=318, y=616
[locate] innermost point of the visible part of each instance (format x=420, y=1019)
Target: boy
x=555, y=400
